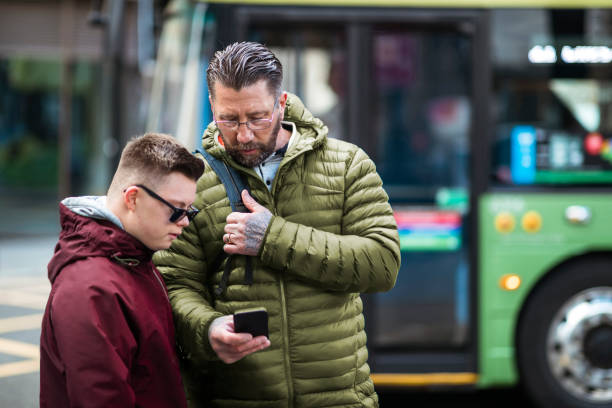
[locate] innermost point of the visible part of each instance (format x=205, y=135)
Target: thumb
x=250, y=203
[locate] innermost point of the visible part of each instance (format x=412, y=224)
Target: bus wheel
x=564, y=341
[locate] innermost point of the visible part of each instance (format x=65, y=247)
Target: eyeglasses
x=254, y=124
x=177, y=213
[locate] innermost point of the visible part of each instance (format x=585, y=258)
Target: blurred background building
x=72, y=75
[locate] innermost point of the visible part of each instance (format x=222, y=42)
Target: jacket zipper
x=284, y=324
x=163, y=288
x=286, y=342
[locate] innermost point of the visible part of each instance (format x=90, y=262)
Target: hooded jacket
x=331, y=237
x=107, y=335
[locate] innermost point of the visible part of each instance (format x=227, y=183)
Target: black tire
x=568, y=287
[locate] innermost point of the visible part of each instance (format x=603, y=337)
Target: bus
x=490, y=123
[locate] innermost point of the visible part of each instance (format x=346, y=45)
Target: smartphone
x=254, y=321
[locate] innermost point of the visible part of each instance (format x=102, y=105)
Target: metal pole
x=65, y=116
x=110, y=114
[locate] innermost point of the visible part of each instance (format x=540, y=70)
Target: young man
x=107, y=335
x=320, y=230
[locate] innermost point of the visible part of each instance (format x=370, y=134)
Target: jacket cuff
x=266, y=242
x=207, y=352
x=272, y=252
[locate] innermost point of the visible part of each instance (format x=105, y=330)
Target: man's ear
x=282, y=102
x=129, y=197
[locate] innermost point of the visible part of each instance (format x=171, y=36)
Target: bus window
x=554, y=97
x=314, y=68
x=422, y=110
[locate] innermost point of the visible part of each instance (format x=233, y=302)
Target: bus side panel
x=526, y=235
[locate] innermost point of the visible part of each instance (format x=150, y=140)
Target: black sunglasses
x=177, y=213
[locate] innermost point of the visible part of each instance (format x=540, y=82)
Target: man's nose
x=244, y=135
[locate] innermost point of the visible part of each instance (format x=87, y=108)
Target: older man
x=319, y=231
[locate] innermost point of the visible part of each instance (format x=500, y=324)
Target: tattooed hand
x=244, y=232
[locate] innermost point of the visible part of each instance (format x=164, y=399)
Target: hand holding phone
x=254, y=321
x=231, y=346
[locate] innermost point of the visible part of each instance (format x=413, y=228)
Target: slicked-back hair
x=242, y=64
x=147, y=159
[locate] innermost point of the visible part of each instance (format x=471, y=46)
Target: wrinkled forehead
x=252, y=98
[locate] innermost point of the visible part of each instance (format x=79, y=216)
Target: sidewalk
x=29, y=227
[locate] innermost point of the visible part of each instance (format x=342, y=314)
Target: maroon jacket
x=107, y=334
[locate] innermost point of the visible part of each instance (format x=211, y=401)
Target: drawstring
x=125, y=261
x=248, y=274
x=225, y=278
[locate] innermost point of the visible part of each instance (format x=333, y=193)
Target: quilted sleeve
x=183, y=267
x=365, y=257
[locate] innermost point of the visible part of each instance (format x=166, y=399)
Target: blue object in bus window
x=523, y=154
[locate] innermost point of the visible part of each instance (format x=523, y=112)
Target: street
x=23, y=292
x=513, y=397
x=28, y=233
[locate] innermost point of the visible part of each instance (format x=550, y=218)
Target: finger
x=234, y=341
x=234, y=230
x=234, y=218
x=230, y=238
x=239, y=339
x=256, y=344
x=231, y=249
x=250, y=203
x=224, y=333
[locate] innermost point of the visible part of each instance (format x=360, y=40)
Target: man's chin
x=249, y=160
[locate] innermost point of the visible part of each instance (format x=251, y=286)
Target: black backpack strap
x=225, y=277
x=234, y=183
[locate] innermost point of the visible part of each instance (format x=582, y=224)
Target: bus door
x=403, y=85
x=424, y=115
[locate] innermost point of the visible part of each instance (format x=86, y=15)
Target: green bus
x=490, y=123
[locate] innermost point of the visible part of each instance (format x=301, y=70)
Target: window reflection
x=553, y=97
x=314, y=68
x=423, y=119
x=423, y=112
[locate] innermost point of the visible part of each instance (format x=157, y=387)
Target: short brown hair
x=242, y=64
x=147, y=159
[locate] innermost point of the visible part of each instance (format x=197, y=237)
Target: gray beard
x=265, y=149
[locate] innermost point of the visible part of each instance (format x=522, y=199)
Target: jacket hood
x=312, y=131
x=93, y=207
x=93, y=236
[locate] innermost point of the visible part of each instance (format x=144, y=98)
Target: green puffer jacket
x=332, y=236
